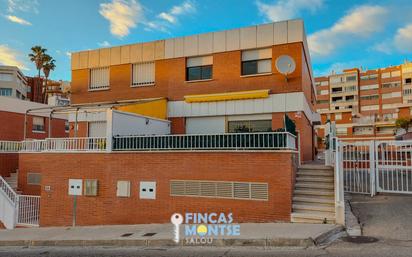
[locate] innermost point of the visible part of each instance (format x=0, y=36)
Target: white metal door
x=358, y=166
x=394, y=166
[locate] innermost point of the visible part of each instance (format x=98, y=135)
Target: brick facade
x=13, y=129
x=9, y=163
x=275, y=168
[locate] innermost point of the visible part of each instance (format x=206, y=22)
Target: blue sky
x=341, y=34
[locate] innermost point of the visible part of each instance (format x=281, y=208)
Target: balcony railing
x=78, y=144
x=228, y=141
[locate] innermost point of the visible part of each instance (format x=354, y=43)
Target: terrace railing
x=10, y=146
x=228, y=141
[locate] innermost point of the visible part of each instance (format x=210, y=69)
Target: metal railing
x=8, y=191
x=28, y=210
x=72, y=144
x=228, y=141
x=10, y=146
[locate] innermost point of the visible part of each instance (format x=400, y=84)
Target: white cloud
x=360, y=22
x=23, y=6
x=18, y=20
x=104, y=44
x=385, y=47
x=69, y=54
x=172, y=15
x=11, y=57
x=403, y=39
x=287, y=9
x=122, y=15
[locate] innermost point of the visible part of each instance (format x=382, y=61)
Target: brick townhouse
x=187, y=124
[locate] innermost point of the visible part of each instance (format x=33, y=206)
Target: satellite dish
x=285, y=64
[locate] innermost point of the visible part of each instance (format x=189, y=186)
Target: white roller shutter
x=205, y=125
x=97, y=129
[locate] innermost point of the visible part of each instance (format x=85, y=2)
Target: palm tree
x=47, y=67
x=37, y=57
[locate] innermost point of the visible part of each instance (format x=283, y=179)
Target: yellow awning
x=228, y=96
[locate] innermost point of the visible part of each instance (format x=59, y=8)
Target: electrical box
x=75, y=186
x=123, y=188
x=147, y=190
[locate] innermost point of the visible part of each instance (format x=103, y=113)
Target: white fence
x=368, y=167
x=72, y=144
x=18, y=209
x=227, y=141
x=28, y=210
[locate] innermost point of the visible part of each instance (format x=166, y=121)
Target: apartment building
x=365, y=103
x=13, y=83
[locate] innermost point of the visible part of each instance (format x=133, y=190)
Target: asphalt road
x=382, y=248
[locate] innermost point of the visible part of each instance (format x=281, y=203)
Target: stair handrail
x=8, y=191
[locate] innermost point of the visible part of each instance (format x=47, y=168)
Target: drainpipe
x=75, y=123
x=50, y=122
x=25, y=125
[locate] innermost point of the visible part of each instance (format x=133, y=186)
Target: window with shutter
x=143, y=74
x=99, y=79
x=257, y=61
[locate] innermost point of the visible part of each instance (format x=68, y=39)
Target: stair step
x=302, y=217
x=315, y=174
x=315, y=167
x=326, y=201
x=314, y=207
x=312, y=185
x=314, y=192
x=314, y=179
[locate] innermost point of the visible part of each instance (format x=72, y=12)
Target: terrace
x=183, y=142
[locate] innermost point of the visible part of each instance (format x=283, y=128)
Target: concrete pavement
x=384, y=216
x=251, y=234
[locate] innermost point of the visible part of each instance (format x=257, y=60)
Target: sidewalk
x=251, y=234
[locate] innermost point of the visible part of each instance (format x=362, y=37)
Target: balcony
x=184, y=142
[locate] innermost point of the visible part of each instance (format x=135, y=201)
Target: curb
x=268, y=242
x=329, y=236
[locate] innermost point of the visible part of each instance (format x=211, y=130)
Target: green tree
x=47, y=67
x=403, y=123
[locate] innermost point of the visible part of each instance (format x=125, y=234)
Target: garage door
x=97, y=129
x=205, y=125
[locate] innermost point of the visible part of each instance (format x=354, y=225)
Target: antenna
x=285, y=64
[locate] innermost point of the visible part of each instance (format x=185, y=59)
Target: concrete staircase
x=314, y=195
x=12, y=180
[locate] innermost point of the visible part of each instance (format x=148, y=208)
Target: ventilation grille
x=33, y=178
x=219, y=189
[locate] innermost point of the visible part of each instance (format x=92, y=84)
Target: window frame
x=201, y=67
x=100, y=88
x=35, y=128
x=143, y=84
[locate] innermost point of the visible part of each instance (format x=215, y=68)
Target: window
x=323, y=92
x=395, y=73
x=350, y=88
x=408, y=81
x=391, y=95
x=389, y=106
x=350, y=98
x=324, y=83
x=351, y=78
x=369, y=87
x=257, y=61
x=369, y=77
x=240, y=126
x=220, y=189
x=38, y=124
x=369, y=97
x=99, y=79
x=407, y=91
x=33, y=178
x=369, y=107
x=391, y=85
x=338, y=116
x=389, y=116
x=335, y=80
x=337, y=90
x=341, y=131
x=90, y=187
x=143, y=74
x=5, y=91
x=386, y=75
x=123, y=188
x=6, y=77
x=199, y=68
x=322, y=101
